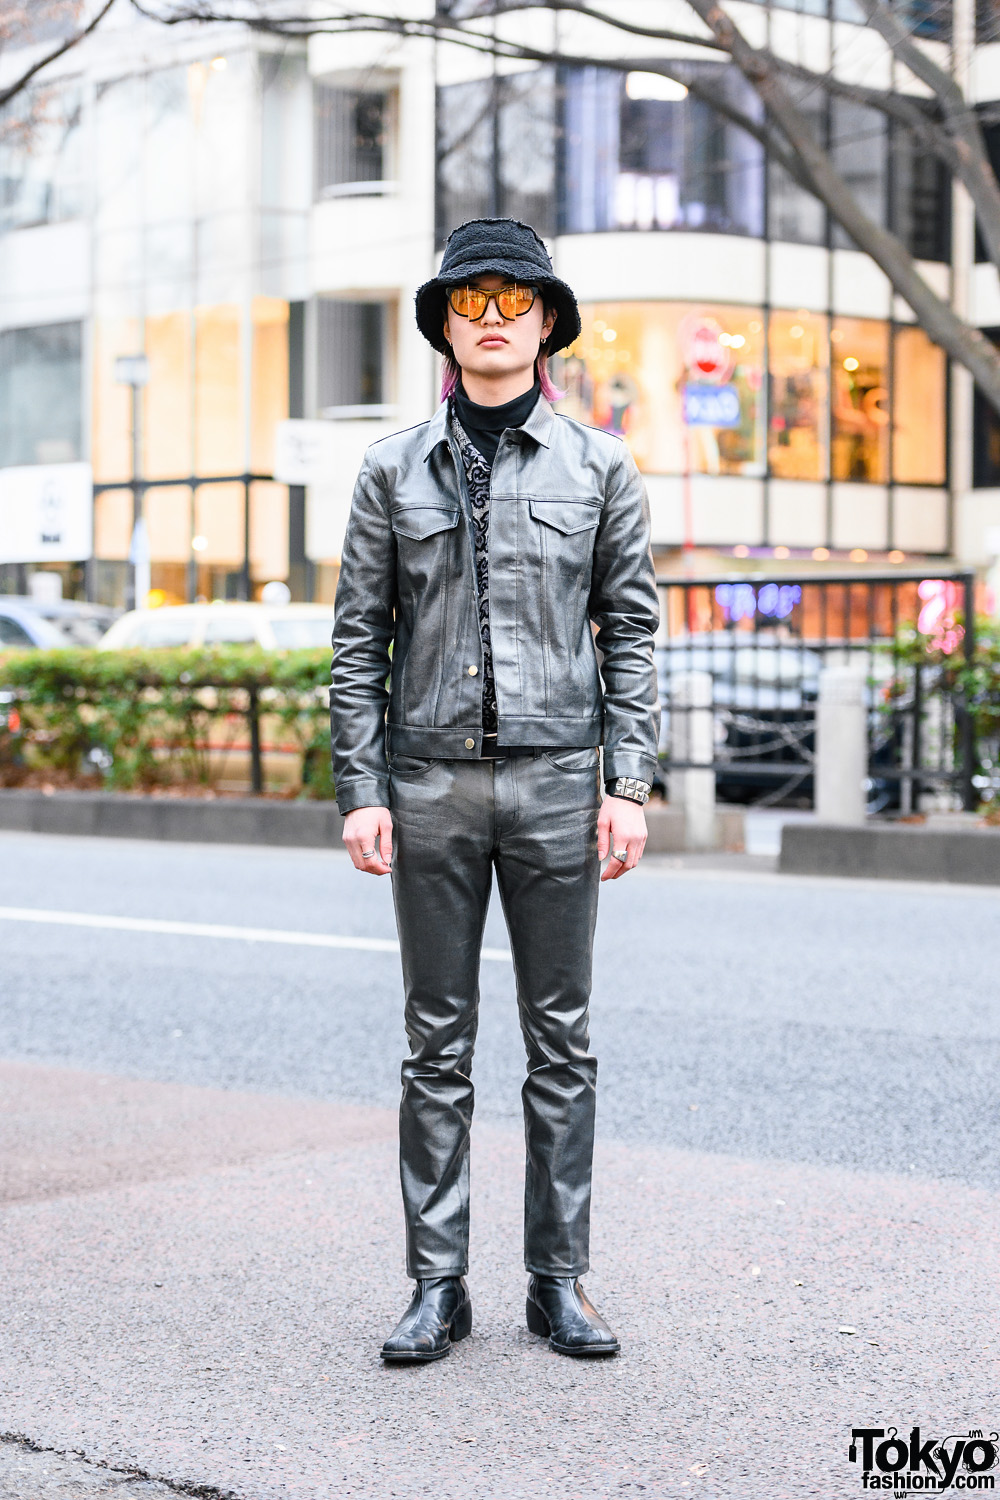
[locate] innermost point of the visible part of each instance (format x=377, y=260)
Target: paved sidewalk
x=197, y=1282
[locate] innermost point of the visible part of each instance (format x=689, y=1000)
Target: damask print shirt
x=477, y=479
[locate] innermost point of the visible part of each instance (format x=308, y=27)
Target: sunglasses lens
x=515, y=300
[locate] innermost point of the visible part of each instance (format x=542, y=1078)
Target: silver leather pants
x=535, y=820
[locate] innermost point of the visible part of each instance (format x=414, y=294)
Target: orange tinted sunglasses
x=512, y=301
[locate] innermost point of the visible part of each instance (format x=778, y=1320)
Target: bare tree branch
x=965, y=343
x=785, y=130
x=972, y=162
x=20, y=84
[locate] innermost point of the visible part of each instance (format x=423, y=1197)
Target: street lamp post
x=133, y=370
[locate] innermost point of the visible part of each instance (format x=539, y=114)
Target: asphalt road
x=796, y=1197
x=812, y=1021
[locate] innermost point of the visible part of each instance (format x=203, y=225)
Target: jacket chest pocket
x=565, y=538
x=418, y=522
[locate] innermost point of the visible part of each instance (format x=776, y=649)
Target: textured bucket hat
x=505, y=247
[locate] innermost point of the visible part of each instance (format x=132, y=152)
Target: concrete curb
x=231, y=820
x=967, y=856
x=255, y=820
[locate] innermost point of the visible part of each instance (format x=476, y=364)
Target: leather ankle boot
x=439, y=1314
x=559, y=1309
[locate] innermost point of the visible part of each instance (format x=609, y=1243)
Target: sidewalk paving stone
x=197, y=1282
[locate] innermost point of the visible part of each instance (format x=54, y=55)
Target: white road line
x=215, y=930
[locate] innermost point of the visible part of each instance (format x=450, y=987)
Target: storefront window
x=797, y=439
x=859, y=363
x=628, y=370
x=918, y=406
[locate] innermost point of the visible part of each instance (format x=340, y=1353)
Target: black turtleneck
x=487, y=424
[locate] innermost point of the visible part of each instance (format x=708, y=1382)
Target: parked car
x=275, y=627
x=77, y=623
x=23, y=627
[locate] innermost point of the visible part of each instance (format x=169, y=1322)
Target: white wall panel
x=671, y=266
x=977, y=518
x=797, y=514
x=666, y=509
x=860, y=290
x=920, y=519
x=799, y=277
x=44, y=275
x=727, y=510
x=860, y=516
x=986, y=296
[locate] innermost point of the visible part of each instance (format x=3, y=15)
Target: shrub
x=148, y=718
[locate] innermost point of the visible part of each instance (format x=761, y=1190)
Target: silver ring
x=367, y=853
x=621, y=855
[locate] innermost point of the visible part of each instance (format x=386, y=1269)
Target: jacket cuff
x=368, y=792
x=629, y=763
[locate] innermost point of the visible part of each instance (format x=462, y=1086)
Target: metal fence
x=754, y=646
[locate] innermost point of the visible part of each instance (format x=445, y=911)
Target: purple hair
x=451, y=371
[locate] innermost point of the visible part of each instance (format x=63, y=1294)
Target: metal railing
x=758, y=644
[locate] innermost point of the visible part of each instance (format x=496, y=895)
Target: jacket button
x=473, y=671
x=470, y=744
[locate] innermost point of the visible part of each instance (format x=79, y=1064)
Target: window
x=221, y=630
x=858, y=147
x=13, y=634
x=154, y=630
x=496, y=150
x=641, y=163
x=41, y=159
x=991, y=140
x=919, y=386
x=799, y=381
x=921, y=198
x=860, y=399
x=302, y=633
x=829, y=393
x=354, y=129
x=986, y=435
x=40, y=395
x=353, y=353
x=627, y=371
x=795, y=215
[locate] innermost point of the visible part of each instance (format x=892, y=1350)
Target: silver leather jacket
x=569, y=544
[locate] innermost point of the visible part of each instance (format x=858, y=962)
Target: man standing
x=481, y=545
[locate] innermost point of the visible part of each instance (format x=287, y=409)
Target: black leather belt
x=494, y=751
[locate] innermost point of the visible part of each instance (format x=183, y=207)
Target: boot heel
x=461, y=1323
x=537, y=1321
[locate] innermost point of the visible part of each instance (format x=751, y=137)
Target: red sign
x=705, y=355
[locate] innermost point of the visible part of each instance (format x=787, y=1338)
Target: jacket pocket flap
x=419, y=521
x=566, y=515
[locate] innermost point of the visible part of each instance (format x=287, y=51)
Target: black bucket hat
x=508, y=248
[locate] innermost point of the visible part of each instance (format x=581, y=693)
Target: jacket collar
x=538, y=425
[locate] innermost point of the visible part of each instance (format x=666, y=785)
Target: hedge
x=151, y=718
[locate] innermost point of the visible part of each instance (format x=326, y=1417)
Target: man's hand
x=621, y=825
x=368, y=836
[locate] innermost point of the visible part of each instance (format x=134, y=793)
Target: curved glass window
x=633, y=363
x=640, y=163
x=799, y=382
x=684, y=384
x=860, y=399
